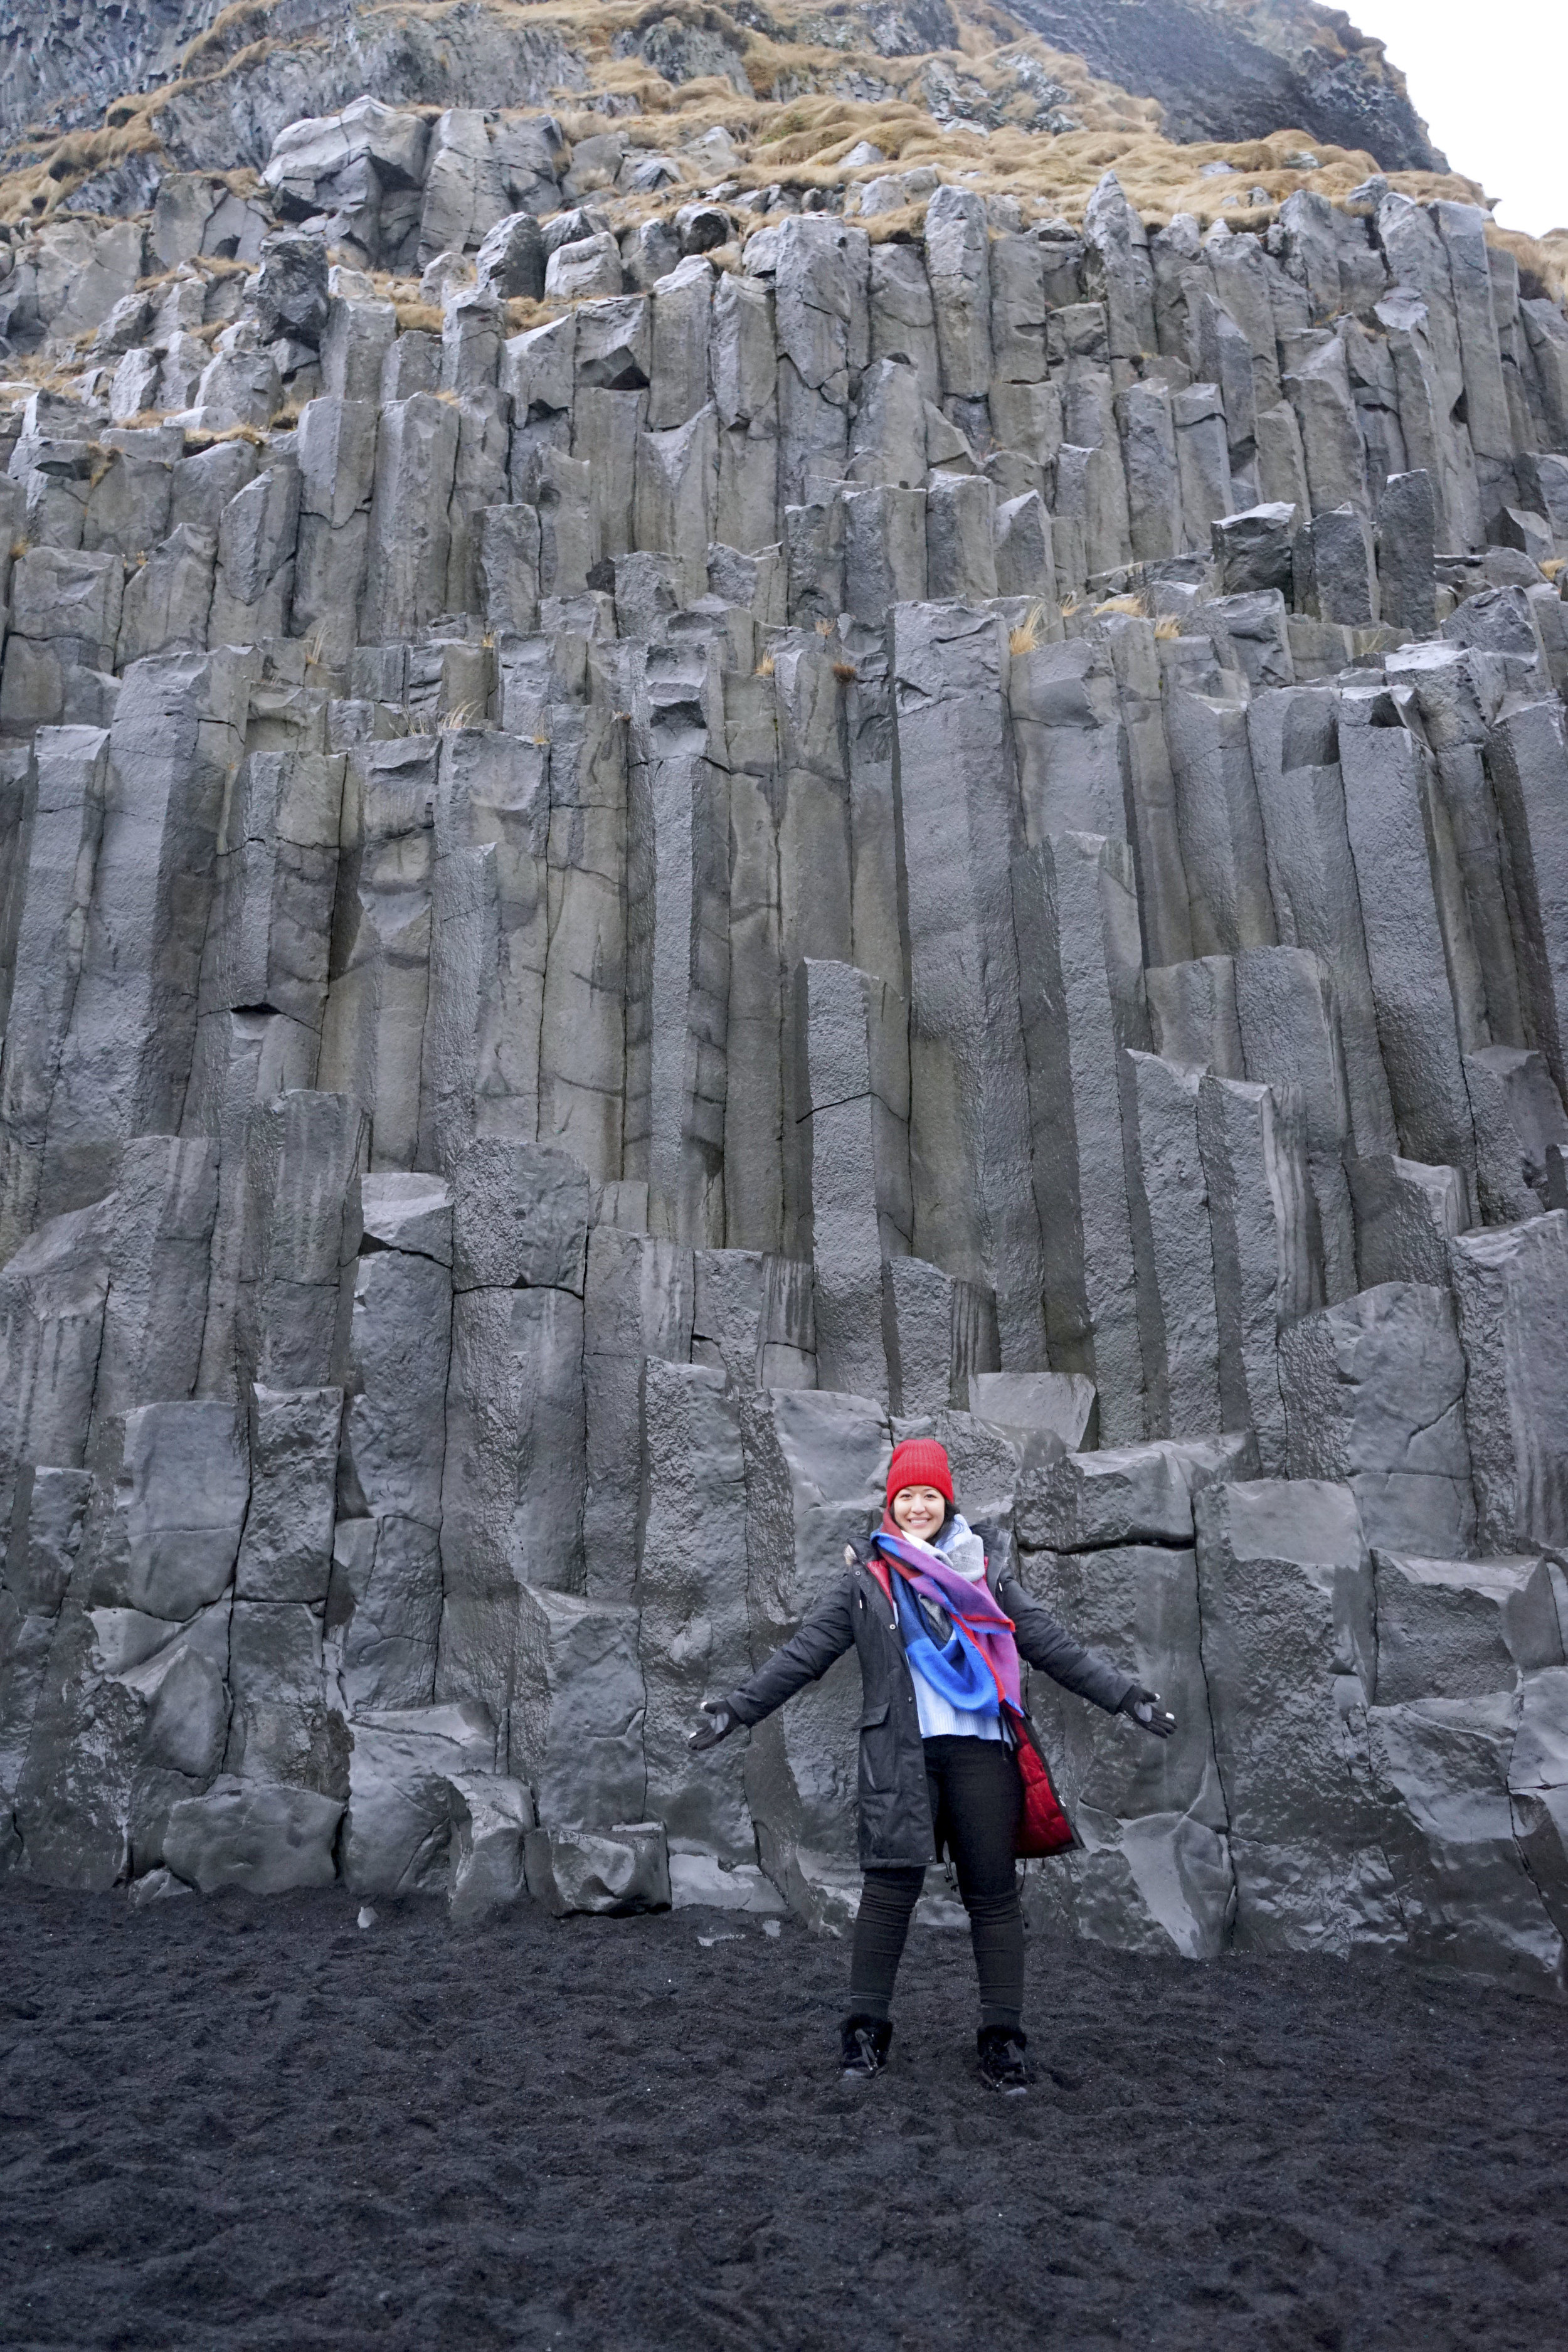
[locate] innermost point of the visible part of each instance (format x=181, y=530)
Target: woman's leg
x=887, y=1901
x=981, y=1796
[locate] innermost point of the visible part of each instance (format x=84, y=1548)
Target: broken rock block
x=490, y=1819
x=1373, y=1391
x=691, y=1592
x=942, y=1337
x=520, y=1215
x=614, y=1871
x=1406, y=1215
x=182, y=1501
x=1510, y=1285
x=1128, y=1494
x=576, y=1732
x=1538, y=1785
x=1266, y=1259
x=286, y=1553
x=1153, y=1873
x=256, y=1835
x=1285, y=1591
x=402, y=1769
x=1461, y=1628
x=814, y=1462
x=1446, y=1822
x=1041, y=1410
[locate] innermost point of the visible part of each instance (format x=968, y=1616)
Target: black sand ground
x=248, y=2124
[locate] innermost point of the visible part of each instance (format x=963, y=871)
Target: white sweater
x=964, y=1553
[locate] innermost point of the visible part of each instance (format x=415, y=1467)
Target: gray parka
x=895, y=1808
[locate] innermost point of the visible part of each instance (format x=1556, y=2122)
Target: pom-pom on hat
x=920, y=1462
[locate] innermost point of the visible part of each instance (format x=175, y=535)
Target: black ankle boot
x=1003, y=2065
x=863, y=2045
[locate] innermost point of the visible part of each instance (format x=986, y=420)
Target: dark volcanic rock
x=1216, y=79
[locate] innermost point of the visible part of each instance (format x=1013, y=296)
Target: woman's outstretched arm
x=824, y=1636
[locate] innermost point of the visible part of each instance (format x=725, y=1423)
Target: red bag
x=1043, y=1827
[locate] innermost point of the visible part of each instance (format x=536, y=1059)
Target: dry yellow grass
x=204, y=438
x=1026, y=635
x=795, y=121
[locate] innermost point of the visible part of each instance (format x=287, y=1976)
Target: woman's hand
x=1144, y=1707
x=709, y=1735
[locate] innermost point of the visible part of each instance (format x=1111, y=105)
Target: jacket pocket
x=870, y=1716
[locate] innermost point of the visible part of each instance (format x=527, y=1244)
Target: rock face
x=1221, y=74
x=691, y=842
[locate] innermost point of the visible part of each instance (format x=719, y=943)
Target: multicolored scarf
x=977, y=1670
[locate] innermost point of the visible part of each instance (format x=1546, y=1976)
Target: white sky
x=1492, y=83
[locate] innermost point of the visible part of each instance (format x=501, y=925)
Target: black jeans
x=975, y=1795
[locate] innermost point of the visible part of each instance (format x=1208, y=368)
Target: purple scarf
x=972, y=1607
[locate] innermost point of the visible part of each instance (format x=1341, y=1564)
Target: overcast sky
x=1492, y=82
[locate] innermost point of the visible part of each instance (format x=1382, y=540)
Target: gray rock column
x=942, y=1337
x=1221, y=826
x=1153, y=1871
x=969, y=1137
x=855, y=1108
x=410, y=533
x=1312, y=882
x=694, y=1640
x=576, y=1731
x=638, y=1303
x=384, y=1603
x=514, y=1473
x=1446, y=1822
x=814, y=1468
x=1405, y=1216
x=336, y=443
x=1181, y=1340
x=126, y=1061
x=1286, y=1595
x=1373, y=1391
x=372, y=1030
x=305, y=1153
x=269, y=931
x=678, y=954
x=1510, y=1287
x=1267, y=1263
x=1527, y=760
x=1388, y=785
x=55, y=854
x=1407, y=542
x=479, y=1065
x=1519, y=1123
x=1074, y=914
x=1290, y=1027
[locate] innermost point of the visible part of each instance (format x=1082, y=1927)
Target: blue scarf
x=957, y=1671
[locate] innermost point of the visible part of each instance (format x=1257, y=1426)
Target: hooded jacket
x=894, y=1828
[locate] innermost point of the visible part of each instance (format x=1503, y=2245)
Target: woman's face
x=920, y=1511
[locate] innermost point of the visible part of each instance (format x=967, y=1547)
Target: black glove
x=709, y=1735
x=1144, y=1707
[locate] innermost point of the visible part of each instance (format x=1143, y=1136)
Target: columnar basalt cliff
x=695, y=775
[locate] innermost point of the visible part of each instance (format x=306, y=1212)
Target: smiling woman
x=949, y=1760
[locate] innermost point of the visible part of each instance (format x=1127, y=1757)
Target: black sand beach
x=250, y=2124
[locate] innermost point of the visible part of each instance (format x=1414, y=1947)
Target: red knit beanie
x=920, y=1462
